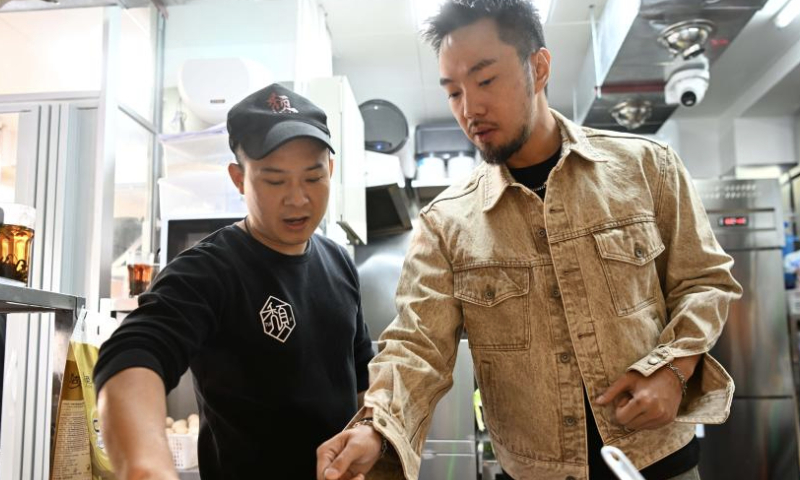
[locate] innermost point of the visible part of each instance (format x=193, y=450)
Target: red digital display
x=739, y=221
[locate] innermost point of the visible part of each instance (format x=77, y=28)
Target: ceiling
x=757, y=75
x=377, y=46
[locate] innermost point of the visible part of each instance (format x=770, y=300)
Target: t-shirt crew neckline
x=274, y=254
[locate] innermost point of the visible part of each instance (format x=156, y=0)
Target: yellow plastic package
x=72, y=457
x=90, y=331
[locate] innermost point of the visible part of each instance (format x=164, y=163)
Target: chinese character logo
x=280, y=104
x=277, y=319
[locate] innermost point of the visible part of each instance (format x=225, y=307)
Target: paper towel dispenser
x=442, y=139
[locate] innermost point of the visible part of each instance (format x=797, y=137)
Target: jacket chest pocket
x=494, y=302
x=627, y=254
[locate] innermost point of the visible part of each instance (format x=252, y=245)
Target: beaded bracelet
x=368, y=421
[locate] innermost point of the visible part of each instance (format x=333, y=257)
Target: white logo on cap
x=280, y=104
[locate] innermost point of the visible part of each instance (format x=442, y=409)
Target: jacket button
x=569, y=421
x=489, y=293
x=382, y=422
x=542, y=233
x=556, y=293
x=637, y=251
x=653, y=360
x=564, y=358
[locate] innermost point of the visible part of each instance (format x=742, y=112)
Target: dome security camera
x=687, y=81
x=687, y=87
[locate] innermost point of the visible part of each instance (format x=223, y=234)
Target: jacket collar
x=573, y=139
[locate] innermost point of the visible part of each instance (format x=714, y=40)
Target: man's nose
x=473, y=106
x=297, y=197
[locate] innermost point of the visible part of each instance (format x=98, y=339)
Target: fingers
x=327, y=453
x=642, y=411
x=341, y=464
x=623, y=385
x=625, y=414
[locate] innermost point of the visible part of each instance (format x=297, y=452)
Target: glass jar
x=16, y=242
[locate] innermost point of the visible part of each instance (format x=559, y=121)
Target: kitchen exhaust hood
x=648, y=57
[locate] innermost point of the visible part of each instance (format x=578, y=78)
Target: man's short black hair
x=518, y=22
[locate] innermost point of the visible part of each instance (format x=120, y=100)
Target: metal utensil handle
x=619, y=463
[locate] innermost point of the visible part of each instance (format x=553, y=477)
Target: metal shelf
x=33, y=401
x=15, y=299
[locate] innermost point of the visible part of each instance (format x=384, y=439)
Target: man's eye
x=274, y=182
x=314, y=180
x=487, y=82
x=453, y=95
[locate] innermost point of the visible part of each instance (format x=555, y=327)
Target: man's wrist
x=368, y=422
x=679, y=375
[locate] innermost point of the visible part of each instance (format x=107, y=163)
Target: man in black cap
x=265, y=313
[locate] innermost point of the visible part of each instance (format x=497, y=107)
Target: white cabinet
x=346, y=219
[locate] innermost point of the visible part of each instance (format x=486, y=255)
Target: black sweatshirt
x=277, y=345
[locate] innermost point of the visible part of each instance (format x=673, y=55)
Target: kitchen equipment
x=385, y=126
x=183, y=447
x=16, y=242
x=450, y=450
x=759, y=440
x=209, y=87
x=450, y=447
x=441, y=139
x=620, y=464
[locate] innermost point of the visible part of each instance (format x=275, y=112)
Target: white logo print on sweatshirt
x=277, y=319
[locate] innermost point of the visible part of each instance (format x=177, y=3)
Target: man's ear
x=330, y=165
x=236, y=173
x=540, y=68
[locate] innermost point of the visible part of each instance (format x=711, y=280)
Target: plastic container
x=199, y=192
x=196, y=151
x=184, y=450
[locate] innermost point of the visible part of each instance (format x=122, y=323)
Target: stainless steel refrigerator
x=759, y=440
x=449, y=452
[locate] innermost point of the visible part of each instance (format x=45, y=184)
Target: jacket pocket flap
x=489, y=286
x=637, y=243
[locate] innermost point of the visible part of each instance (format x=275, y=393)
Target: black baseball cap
x=272, y=116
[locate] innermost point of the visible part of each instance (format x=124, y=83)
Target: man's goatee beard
x=500, y=155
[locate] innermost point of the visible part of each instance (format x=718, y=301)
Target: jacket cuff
x=401, y=462
x=657, y=358
x=709, y=390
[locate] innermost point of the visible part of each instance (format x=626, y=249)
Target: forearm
x=132, y=407
x=687, y=365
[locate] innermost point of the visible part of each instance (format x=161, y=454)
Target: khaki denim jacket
x=617, y=270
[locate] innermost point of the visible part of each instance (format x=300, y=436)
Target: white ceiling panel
x=353, y=18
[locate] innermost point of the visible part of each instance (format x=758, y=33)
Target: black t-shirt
x=276, y=343
x=681, y=461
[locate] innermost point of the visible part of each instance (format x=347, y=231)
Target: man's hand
x=644, y=402
x=349, y=455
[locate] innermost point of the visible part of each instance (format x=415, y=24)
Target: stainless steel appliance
x=181, y=232
x=759, y=440
x=449, y=452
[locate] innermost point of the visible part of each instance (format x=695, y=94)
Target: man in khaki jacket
x=589, y=309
